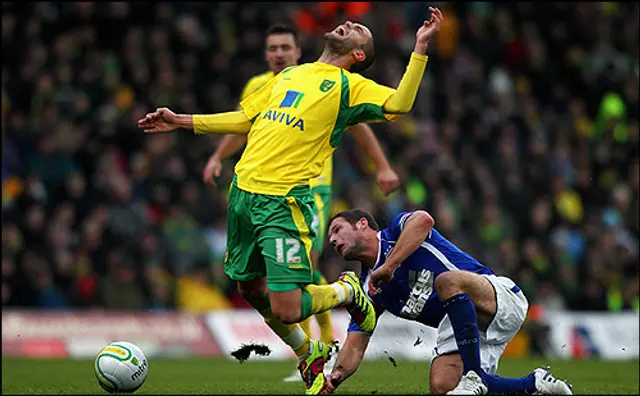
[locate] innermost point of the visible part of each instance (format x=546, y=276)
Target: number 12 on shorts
x=292, y=246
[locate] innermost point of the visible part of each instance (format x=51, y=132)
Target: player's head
x=352, y=40
x=348, y=231
x=281, y=47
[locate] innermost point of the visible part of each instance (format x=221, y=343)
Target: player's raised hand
x=211, y=170
x=428, y=30
x=388, y=181
x=161, y=120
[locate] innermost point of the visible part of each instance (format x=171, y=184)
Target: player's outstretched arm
x=387, y=179
x=415, y=231
x=165, y=120
x=348, y=360
x=229, y=145
x=402, y=100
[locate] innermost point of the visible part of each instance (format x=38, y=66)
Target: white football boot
x=294, y=377
x=470, y=384
x=547, y=384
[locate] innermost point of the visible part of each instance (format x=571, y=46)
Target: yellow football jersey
x=255, y=83
x=326, y=177
x=298, y=118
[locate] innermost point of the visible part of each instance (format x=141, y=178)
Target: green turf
x=216, y=376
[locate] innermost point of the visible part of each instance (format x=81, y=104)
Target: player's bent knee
x=448, y=281
x=286, y=316
x=254, y=290
x=441, y=384
x=446, y=372
x=286, y=306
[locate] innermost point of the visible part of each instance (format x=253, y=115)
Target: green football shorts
x=270, y=236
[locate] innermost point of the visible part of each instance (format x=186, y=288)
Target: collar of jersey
x=377, y=264
x=322, y=64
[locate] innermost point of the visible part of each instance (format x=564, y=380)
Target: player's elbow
x=396, y=107
x=423, y=220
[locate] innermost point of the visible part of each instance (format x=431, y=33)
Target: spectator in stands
x=524, y=142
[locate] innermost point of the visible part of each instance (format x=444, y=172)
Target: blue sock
x=500, y=385
x=464, y=321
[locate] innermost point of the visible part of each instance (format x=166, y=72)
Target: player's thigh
x=253, y=290
x=322, y=200
x=285, y=237
x=478, y=288
x=511, y=310
x=243, y=259
x=445, y=373
x=483, y=295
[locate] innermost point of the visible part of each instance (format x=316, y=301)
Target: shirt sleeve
x=397, y=224
x=367, y=99
x=253, y=104
x=250, y=87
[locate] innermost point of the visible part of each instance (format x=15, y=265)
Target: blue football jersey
x=411, y=294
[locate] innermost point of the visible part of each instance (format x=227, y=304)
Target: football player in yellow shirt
x=281, y=51
x=294, y=123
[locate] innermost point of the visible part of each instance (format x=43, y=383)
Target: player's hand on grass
x=380, y=276
x=428, y=30
x=161, y=120
x=211, y=170
x=388, y=181
x=332, y=381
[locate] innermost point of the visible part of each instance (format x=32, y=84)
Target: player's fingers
x=206, y=175
x=372, y=288
x=151, y=130
x=144, y=119
x=217, y=171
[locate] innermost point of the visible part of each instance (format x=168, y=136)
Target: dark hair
x=281, y=28
x=354, y=215
x=370, y=55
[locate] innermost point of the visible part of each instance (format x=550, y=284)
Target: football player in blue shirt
x=412, y=271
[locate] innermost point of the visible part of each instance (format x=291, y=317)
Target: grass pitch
x=221, y=376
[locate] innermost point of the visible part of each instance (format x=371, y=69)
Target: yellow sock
x=326, y=297
x=303, y=349
x=291, y=334
x=326, y=329
x=324, y=320
x=306, y=326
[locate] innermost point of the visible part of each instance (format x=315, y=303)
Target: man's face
x=346, y=238
x=281, y=52
x=347, y=37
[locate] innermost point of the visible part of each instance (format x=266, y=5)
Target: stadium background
x=523, y=143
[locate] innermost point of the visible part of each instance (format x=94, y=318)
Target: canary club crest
x=327, y=85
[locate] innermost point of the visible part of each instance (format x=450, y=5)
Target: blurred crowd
x=523, y=144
